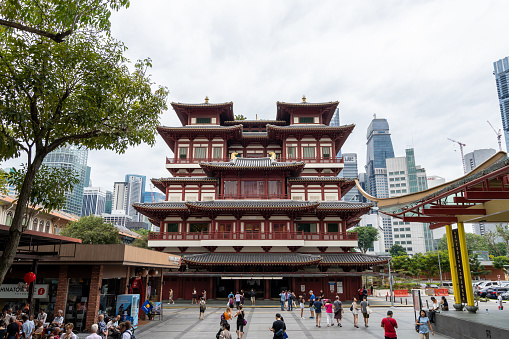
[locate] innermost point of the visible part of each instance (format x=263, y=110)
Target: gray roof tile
x=251, y=258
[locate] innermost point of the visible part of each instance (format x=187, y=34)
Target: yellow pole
x=452, y=263
x=466, y=265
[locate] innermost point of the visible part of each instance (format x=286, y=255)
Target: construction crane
x=499, y=136
x=461, y=150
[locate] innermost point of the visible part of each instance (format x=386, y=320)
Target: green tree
x=240, y=117
x=476, y=268
x=92, y=230
x=143, y=241
x=397, y=250
x=366, y=236
x=72, y=88
x=3, y=182
x=48, y=189
x=474, y=243
x=501, y=262
x=430, y=263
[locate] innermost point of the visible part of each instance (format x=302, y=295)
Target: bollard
x=427, y=306
x=401, y=301
x=406, y=301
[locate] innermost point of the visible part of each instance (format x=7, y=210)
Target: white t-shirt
x=499, y=299
x=237, y=297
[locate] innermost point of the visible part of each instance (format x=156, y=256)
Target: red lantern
x=29, y=277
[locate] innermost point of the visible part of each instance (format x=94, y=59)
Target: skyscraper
x=88, y=181
x=109, y=202
x=477, y=157
x=136, y=192
x=120, y=196
x=501, y=74
x=75, y=158
x=94, y=200
x=379, y=148
x=350, y=171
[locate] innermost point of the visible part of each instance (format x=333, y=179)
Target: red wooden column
x=306, y=191
x=191, y=149
x=199, y=192
x=237, y=285
x=299, y=149
x=318, y=149
x=176, y=153
x=209, y=151
x=212, y=291
x=267, y=289
x=283, y=151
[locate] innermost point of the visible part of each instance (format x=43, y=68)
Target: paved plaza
x=183, y=323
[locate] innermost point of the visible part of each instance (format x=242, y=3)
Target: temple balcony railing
x=253, y=196
x=295, y=235
x=315, y=160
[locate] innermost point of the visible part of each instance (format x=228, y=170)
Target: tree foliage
x=143, y=241
x=419, y=264
x=92, y=230
x=397, y=250
x=72, y=88
x=3, y=182
x=501, y=262
x=366, y=236
x=57, y=19
x=476, y=268
x=240, y=117
x=498, y=248
x=474, y=243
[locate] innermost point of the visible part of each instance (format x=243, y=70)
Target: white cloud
x=426, y=66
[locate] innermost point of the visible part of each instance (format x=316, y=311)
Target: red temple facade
x=257, y=203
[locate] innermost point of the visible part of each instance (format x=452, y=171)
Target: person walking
x=170, y=297
x=424, y=325
x=301, y=304
x=311, y=304
x=194, y=297
x=204, y=295
x=290, y=301
x=253, y=297
x=203, y=307
x=318, y=310
x=228, y=314
x=278, y=327
x=389, y=325
x=338, y=310
x=328, y=313
x=242, y=297
x=294, y=299
x=240, y=322
x=282, y=300
x=365, y=311
x=224, y=332
x=355, y=312
x=499, y=302
x=237, y=300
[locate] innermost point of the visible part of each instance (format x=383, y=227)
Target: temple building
x=257, y=204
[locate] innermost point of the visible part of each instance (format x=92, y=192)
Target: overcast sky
x=426, y=66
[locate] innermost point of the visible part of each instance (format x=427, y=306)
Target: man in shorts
x=311, y=304
x=253, y=296
x=364, y=310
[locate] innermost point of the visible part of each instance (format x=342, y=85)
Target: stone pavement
x=183, y=322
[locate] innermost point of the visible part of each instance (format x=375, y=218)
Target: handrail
x=257, y=235
x=253, y=196
x=332, y=160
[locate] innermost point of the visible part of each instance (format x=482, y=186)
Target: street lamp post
x=390, y=283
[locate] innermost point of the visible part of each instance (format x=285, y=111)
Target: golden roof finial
x=206, y=99
x=303, y=98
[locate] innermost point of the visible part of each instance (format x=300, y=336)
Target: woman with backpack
x=423, y=326
x=241, y=322
x=203, y=307
x=227, y=315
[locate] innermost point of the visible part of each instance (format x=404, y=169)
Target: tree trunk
x=16, y=229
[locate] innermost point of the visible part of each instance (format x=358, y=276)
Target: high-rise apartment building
x=94, y=201
x=379, y=148
x=501, y=76
x=405, y=177
x=477, y=157
x=75, y=158
x=350, y=171
x=434, y=180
